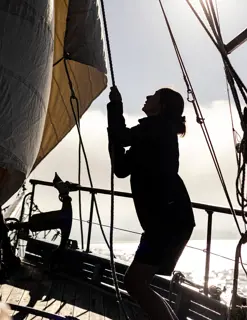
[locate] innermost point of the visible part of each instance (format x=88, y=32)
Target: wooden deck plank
x=15, y=297
x=39, y=305
x=6, y=290
x=111, y=309
x=19, y=281
x=24, y=301
x=82, y=303
x=68, y=299
x=22, y=281
x=54, y=297
x=43, y=286
x=72, y=297
x=96, y=305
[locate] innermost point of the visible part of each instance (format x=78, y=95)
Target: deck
x=87, y=289
x=62, y=297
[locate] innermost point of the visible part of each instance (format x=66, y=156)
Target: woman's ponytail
x=181, y=126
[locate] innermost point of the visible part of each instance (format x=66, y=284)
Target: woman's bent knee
x=138, y=277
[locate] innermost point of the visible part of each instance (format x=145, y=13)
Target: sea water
x=192, y=262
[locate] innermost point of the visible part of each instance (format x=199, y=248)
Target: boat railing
x=209, y=209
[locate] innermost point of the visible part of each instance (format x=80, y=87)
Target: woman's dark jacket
x=160, y=196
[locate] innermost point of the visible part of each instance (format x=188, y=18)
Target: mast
x=236, y=42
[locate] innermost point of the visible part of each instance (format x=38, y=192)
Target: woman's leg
x=137, y=282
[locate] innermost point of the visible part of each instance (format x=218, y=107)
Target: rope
x=58, y=61
x=210, y=17
x=188, y=246
x=229, y=81
x=113, y=267
x=77, y=122
x=220, y=46
x=240, y=185
x=234, y=132
x=233, y=77
x=232, y=73
x=72, y=98
x=216, y=17
x=79, y=177
x=199, y=116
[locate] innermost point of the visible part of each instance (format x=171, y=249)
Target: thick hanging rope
x=199, y=116
x=72, y=99
x=113, y=267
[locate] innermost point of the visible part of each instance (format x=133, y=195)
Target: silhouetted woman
x=161, y=200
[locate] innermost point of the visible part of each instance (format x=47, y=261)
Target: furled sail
x=35, y=111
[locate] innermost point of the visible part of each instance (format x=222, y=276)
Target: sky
x=144, y=60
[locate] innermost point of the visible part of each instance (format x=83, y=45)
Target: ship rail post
x=208, y=250
x=90, y=222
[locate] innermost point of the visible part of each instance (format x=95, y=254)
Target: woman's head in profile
x=168, y=103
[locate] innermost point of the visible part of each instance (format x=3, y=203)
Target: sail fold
x=26, y=57
x=35, y=110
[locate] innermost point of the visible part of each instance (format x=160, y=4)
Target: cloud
x=196, y=169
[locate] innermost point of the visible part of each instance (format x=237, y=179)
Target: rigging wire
x=58, y=61
x=76, y=115
x=72, y=98
x=210, y=15
x=77, y=121
x=234, y=132
x=222, y=50
x=199, y=116
x=138, y=233
x=188, y=246
x=79, y=177
x=240, y=183
x=226, y=61
x=231, y=75
x=114, y=275
x=216, y=19
x=217, y=23
x=216, y=16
